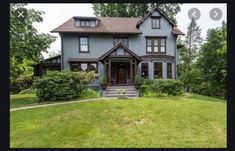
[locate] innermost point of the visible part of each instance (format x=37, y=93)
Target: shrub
x=21, y=83
x=28, y=91
x=104, y=80
x=161, y=88
x=138, y=79
x=63, y=85
x=91, y=93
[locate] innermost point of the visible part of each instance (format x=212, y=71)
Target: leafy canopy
x=26, y=45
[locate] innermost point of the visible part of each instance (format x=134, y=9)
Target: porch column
x=105, y=65
x=109, y=74
x=131, y=71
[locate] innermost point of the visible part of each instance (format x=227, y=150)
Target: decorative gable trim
x=149, y=13
x=115, y=48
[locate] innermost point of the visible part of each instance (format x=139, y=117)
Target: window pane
x=158, y=70
x=155, y=42
x=144, y=70
x=156, y=23
x=83, y=40
x=149, y=42
x=92, y=23
x=169, y=70
x=155, y=49
x=84, y=48
x=162, y=49
x=91, y=67
x=149, y=49
x=84, y=66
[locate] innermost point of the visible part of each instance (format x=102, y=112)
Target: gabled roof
x=106, y=25
x=150, y=12
x=119, y=44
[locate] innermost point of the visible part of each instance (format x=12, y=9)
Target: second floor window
x=83, y=44
x=156, y=45
x=124, y=40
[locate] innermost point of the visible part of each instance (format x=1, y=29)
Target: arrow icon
x=194, y=13
x=215, y=14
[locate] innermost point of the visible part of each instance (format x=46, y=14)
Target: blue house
x=121, y=48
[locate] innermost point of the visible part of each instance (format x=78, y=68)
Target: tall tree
x=26, y=45
x=134, y=9
x=188, y=54
x=213, y=61
x=192, y=43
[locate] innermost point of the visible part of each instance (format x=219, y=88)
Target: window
x=156, y=45
x=155, y=23
x=84, y=23
x=83, y=44
x=158, y=70
x=124, y=40
x=92, y=23
x=169, y=70
x=144, y=70
x=84, y=66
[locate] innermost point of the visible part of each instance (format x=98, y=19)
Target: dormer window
x=85, y=22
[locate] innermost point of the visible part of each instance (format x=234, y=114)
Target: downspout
x=62, y=52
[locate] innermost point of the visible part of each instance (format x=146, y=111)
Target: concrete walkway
x=61, y=103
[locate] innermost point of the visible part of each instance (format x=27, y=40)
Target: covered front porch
x=120, y=65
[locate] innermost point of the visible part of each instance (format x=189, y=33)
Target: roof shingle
x=105, y=25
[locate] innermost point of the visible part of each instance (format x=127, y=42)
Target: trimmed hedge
x=161, y=87
x=63, y=85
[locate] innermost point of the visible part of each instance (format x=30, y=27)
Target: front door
x=121, y=73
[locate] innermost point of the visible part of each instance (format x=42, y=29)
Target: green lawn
x=20, y=100
x=188, y=121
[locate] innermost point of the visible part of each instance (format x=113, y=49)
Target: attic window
x=155, y=23
x=85, y=22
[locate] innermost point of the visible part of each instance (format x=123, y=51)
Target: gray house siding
x=101, y=43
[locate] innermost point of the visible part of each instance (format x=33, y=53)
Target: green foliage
x=161, y=87
x=138, y=79
x=21, y=83
x=90, y=94
x=191, y=78
x=213, y=62
x=28, y=91
x=63, y=85
x=26, y=44
x=104, y=80
x=134, y=9
x=188, y=53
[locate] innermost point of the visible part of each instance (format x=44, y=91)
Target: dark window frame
x=141, y=69
x=117, y=37
x=169, y=76
x=159, y=39
x=79, y=44
x=79, y=65
x=154, y=64
x=159, y=21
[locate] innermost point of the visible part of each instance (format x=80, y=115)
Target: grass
x=172, y=122
x=22, y=100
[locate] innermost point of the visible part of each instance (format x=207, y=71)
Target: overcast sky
x=56, y=14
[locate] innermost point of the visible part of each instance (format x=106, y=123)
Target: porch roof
x=119, y=44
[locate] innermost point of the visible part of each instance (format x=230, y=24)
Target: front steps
x=113, y=91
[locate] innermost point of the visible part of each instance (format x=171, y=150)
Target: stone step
x=120, y=89
x=117, y=95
